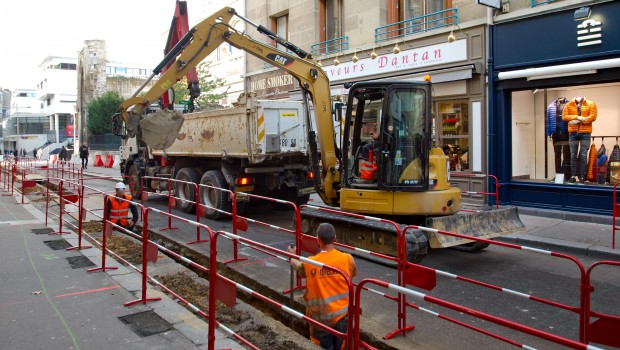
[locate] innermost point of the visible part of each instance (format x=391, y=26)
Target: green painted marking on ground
x=47, y=296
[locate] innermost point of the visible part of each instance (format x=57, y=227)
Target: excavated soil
x=264, y=338
x=126, y=248
x=92, y=226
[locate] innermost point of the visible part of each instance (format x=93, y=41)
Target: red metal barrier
x=478, y=314
x=616, y=214
x=424, y=277
x=604, y=330
x=62, y=199
x=493, y=194
x=171, y=199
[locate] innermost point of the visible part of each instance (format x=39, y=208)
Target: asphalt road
x=534, y=274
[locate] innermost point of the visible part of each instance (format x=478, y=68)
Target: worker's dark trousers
x=330, y=341
x=85, y=163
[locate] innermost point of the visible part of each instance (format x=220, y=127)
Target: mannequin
x=580, y=113
x=557, y=130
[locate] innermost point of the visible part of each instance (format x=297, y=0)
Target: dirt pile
x=126, y=248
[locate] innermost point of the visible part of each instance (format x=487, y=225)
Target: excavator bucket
x=160, y=129
x=484, y=224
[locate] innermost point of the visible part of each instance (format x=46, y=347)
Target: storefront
x=459, y=90
x=555, y=102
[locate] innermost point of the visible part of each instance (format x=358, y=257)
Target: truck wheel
x=212, y=198
x=135, y=185
x=186, y=192
x=417, y=246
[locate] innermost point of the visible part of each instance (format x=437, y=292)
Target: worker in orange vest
x=118, y=210
x=368, y=160
x=327, y=293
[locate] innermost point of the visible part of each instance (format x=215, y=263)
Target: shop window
x=453, y=123
x=547, y=149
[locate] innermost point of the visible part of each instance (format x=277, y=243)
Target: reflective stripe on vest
x=327, y=292
x=119, y=210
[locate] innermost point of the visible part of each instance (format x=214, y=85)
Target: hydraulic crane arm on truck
x=390, y=119
x=195, y=46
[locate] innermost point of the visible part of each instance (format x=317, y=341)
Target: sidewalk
x=546, y=229
x=49, y=301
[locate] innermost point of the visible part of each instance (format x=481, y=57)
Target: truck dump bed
x=253, y=129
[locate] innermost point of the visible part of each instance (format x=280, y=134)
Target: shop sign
x=589, y=32
x=271, y=85
x=419, y=58
x=70, y=130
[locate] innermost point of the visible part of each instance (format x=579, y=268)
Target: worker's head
x=326, y=234
x=84, y=144
x=120, y=189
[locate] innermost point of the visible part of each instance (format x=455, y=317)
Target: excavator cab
x=387, y=158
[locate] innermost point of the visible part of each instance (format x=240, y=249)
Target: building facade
x=26, y=125
x=532, y=151
x=400, y=40
x=57, y=92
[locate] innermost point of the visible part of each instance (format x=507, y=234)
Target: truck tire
x=186, y=192
x=135, y=185
x=213, y=198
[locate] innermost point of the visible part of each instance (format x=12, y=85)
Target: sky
x=135, y=32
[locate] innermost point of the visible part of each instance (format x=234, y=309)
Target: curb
x=562, y=246
x=567, y=216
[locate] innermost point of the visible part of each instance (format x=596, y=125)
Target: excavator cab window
x=405, y=138
x=392, y=121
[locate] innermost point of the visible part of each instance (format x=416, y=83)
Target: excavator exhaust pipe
x=483, y=224
x=160, y=129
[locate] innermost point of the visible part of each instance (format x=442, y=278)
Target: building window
x=279, y=25
x=401, y=10
x=121, y=70
x=330, y=12
x=453, y=119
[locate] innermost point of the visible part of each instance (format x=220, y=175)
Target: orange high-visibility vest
x=368, y=168
x=327, y=293
x=119, y=210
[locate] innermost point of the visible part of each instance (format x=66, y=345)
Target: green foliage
x=100, y=112
x=208, y=84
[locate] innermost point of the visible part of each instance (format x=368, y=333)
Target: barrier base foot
x=198, y=241
x=143, y=301
x=79, y=248
x=234, y=260
x=59, y=233
x=396, y=332
x=103, y=269
x=286, y=291
x=168, y=228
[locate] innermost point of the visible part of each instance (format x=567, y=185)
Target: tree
x=208, y=84
x=100, y=112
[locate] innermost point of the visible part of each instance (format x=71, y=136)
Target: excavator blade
x=160, y=129
x=484, y=224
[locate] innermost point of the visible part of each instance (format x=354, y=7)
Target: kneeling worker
x=327, y=294
x=118, y=210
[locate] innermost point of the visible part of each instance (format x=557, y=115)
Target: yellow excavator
x=409, y=179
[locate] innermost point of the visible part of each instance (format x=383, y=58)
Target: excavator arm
x=206, y=37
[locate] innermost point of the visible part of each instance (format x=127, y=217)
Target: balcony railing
x=420, y=24
x=330, y=46
x=541, y=2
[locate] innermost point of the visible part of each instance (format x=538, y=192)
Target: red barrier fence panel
x=616, y=214
x=98, y=162
x=488, y=193
x=465, y=310
x=419, y=276
x=604, y=329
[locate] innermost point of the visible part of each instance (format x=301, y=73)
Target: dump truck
x=257, y=146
